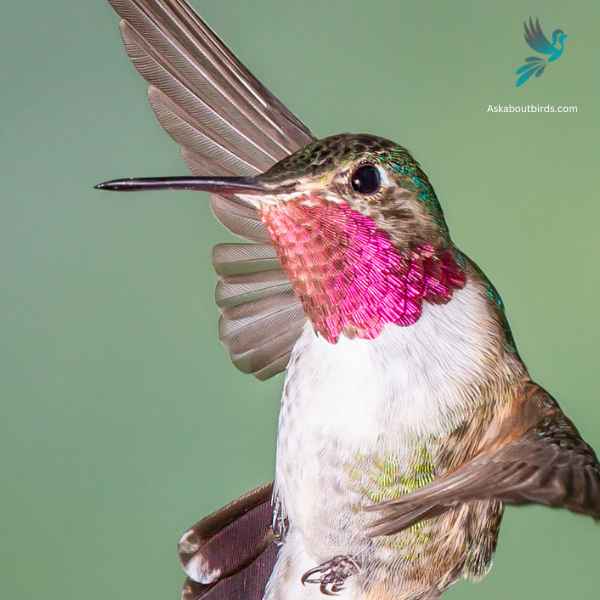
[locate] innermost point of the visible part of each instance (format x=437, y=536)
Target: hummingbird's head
x=365, y=174
x=357, y=227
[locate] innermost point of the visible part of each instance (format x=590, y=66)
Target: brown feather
x=263, y=331
x=549, y=463
x=228, y=540
x=239, y=217
x=247, y=584
x=206, y=144
x=227, y=123
x=187, y=62
x=239, y=289
x=242, y=259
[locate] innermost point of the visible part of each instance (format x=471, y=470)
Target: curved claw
x=306, y=577
x=330, y=592
x=333, y=574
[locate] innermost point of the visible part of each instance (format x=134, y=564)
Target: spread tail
x=230, y=554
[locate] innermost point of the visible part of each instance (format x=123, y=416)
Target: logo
x=538, y=42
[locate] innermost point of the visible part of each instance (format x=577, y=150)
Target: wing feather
x=220, y=130
x=238, y=259
x=239, y=218
x=548, y=464
x=240, y=289
x=262, y=332
x=227, y=123
x=208, y=145
x=187, y=61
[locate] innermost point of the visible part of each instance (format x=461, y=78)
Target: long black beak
x=218, y=185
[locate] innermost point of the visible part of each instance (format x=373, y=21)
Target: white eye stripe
x=385, y=178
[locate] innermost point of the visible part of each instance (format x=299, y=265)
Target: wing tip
x=154, y=94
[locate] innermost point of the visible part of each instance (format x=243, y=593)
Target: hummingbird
x=408, y=420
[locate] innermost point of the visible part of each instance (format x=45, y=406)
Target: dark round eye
x=366, y=179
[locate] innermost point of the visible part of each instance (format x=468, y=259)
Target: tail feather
x=247, y=584
x=229, y=541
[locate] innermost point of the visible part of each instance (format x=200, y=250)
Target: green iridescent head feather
x=331, y=160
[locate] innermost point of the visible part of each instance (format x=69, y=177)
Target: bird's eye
x=366, y=179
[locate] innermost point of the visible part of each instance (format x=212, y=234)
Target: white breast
x=412, y=375
x=374, y=396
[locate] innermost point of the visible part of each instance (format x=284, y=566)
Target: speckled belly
x=328, y=484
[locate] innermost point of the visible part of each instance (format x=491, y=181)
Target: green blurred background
x=122, y=420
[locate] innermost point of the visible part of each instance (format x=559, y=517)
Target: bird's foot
x=331, y=575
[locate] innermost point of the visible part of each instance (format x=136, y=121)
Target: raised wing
x=548, y=464
x=227, y=123
x=534, y=36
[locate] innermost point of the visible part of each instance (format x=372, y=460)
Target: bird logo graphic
x=537, y=41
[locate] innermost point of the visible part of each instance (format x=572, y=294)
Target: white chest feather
x=366, y=396
x=411, y=377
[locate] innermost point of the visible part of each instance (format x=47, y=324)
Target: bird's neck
x=347, y=272
x=423, y=380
